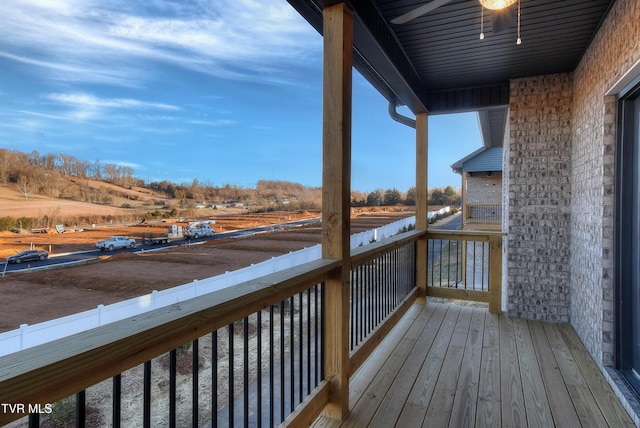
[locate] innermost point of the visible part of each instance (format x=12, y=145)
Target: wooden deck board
x=488, y=413
x=365, y=408
x=582, y=398
x=465, y=402
x=607, y=402
x=560, y=402
x=439, y=410
x=418, y=401
x=535, y=397
x=458, y=365
x=389, y=410
x=513, y=411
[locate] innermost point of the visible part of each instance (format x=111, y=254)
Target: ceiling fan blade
x=419, y=11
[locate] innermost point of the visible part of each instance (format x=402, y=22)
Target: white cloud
x=90, y=101
x=111, y=41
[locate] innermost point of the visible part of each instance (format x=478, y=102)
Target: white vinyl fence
x=31, y=335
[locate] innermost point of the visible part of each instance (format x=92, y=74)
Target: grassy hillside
x=126, y=204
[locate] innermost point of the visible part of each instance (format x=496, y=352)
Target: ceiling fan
x=419, y=11
x=434, y=4
x=502, y=18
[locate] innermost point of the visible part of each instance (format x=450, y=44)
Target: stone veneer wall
x=613, y=51
x=539, y=196
x=560, y=186
x=484, y=190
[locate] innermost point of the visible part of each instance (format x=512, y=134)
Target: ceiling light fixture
x=496, y=4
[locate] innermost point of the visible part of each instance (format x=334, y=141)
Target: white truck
x=198, y=232
x=173, y=232
x=116, y=242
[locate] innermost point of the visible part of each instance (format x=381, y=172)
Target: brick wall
x=539, y=196
x=560, y=188
x=614, y=50
x=484, y=190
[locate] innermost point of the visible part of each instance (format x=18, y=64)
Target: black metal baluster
x=146, y=400
x=376, y=287
x=245, y=406
x=316, y=337
x=172, y=387
x=231, y=400
x=214, y=379
x=449, y=264
x=360, y=292
x=384, y=281
x=271, y=368
x=195, y=384
x=396, y=272
x=369, y=307
x=116, y=401
x=300, y=347
x=458, y=262
x=259, y=371
x=352, y=312
x=81, y=409
x=308, y=341
x=292, y=354
x=34, y=420
x=382, y=286
x=282, y=388
x=322, y=329
x=430, y=265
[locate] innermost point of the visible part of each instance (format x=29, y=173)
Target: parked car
x=28, y=255
x=116, y=242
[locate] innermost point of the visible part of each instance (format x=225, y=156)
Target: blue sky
x=225, y=91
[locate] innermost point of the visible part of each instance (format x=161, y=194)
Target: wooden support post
x=495, y=274
x=422, y=220
x=463, y=190
x=336, y=194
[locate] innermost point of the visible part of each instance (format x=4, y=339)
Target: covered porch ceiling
x=436, y=62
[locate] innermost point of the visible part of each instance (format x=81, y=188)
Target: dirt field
x=34, y=297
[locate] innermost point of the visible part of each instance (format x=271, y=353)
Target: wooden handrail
x=364, y=254
x=464, y=235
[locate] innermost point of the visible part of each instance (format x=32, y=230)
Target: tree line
x=61, y=175
x=390, y=197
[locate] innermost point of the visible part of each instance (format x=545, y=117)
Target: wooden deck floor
x=449, y=365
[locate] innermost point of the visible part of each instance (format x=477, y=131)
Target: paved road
x=60, y=260
x=435, y=247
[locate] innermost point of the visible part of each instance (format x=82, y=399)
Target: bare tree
x=24, y=187
x=5, y=165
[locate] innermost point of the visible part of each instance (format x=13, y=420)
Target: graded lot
x=29, y=298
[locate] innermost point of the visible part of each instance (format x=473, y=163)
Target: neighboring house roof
x=482, y=160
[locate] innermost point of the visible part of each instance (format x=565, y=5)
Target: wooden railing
x=465, y=265
x=383, y=287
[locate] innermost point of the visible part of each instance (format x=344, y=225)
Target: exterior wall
x=484, y=190
x=539, y=197
x=560, y=192
x=614, y=50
